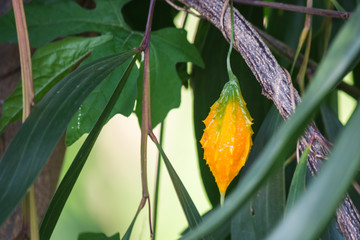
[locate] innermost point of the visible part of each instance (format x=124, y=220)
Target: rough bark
x=277, y=86
x=45, y=185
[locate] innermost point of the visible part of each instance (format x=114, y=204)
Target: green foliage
x=344, y=49
x=78, y=93
x=98, y=236
x=168, y=47
x=298, y=183
x=63, y=18
x=62, y=193
x=35, y=141
x=50, y=64
x=262, y=212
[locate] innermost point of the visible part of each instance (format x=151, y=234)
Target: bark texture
x=277, y=86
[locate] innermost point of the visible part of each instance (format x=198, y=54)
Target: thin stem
x=232, y=35
x=146, y=116
x=156, y=201
x=30, y=221
x=222, y=199
x=303, y=36
x=146, y=39
x=25, y=57
x=295, y=8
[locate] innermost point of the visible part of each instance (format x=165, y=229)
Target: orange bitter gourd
x=227, y=136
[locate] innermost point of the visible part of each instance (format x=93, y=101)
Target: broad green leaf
x=85, y=118
x=260, y=214
x=97, y=236
x=298, y=183
x=62, y=18
x=49, y=64
x=168, y=47
x=63, y=191
x=208, y=83
x=47, y=21
x=342, y=54
x=337, y=175
x=37, y=138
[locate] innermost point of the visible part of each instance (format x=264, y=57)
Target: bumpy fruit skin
x=227, y=136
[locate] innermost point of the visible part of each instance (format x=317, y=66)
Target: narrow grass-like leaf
x=157, y=184
x=62, y=193
x=98, y=236
x=308, y=218
x=260, y=214
x=191, y=213
x=130, y=228
x=298, y=182
x=331, y=122
x=37, y=138
x=342, y=54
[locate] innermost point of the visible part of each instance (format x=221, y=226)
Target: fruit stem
x=231, y=43
x=222, y=199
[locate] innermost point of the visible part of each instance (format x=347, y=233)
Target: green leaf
x=168, y=47
x=64, y=18
x=98, y=236
x=337, y=175
x=332, y=232
x=341, y=55
x=260, y=214
x=36, y=139
x=130, y=228
x=242, y=224
x=191, y=213
x=62, y=193
x=90, y=110
x=298, y=183
x=47, y=21
x=50, y=64
x=332, y=124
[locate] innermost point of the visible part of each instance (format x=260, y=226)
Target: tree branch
x=295, y=8
x=277, y=86
x=285, y=51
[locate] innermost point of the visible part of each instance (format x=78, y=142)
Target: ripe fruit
x=227, y=137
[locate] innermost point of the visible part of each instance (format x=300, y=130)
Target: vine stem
x=30, y=221
x=146, y=112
